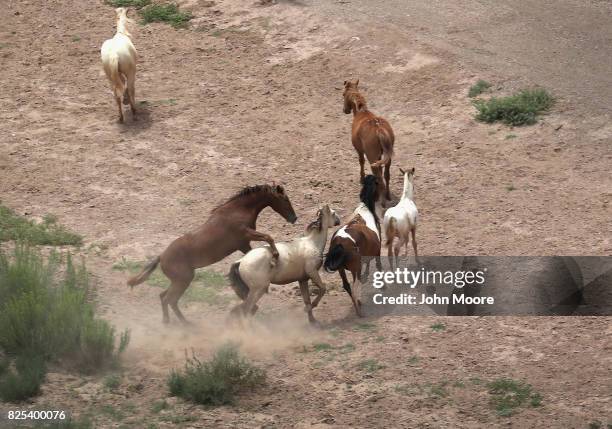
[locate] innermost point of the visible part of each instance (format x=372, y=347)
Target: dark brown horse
x=230, y=227
x=357, y=242
x=371, y=135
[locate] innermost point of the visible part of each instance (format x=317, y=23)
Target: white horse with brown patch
x=298, y=261
x=119, y=62
x=400, y=221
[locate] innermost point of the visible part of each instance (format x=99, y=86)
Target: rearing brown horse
x=371, y=135
x=230, y=227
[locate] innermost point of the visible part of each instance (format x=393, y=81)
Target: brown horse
x=230, y=227
x=371, y=135
x=357, y=242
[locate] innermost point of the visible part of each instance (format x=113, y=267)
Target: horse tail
x=115, y=77
x=336, y=257
x=390, y=230
x=144, y=274
x=387, y=147
x=239, y=286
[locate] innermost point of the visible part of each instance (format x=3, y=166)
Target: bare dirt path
x=249, y=95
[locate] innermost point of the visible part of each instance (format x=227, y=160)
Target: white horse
x=298, y=261
x=401, y=220
x=119, y=61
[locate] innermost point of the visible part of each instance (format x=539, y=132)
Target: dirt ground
x=250, y=94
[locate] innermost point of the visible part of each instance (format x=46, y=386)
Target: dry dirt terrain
x=251, y=94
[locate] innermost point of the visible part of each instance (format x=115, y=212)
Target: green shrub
x=478, y=88
x=217, y=381
x=168, y=13
x=46, y=233
x=519, y=109
x=129, y=3
x=25, y=381
x=45, y=311
x=508, y=394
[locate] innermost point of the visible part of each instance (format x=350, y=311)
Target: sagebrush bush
x=46, y=233
x=168, y=13
x=45, y=311
x=518, y=109
x=24, y=382
x=215, y=382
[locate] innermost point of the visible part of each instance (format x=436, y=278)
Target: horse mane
x=248, y=190
x=368, y=194
x=358, y=100
x=317, y=224
x=123, y=23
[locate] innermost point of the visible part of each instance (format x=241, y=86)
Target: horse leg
x=396, y=251
x=306, y=298
x=387, y=179
x=361, y=166
x=414, y=245
x=251, y=234
x=390, y=252
x=131, y=89
x=378, y=263
x=118, y=100
x=316, y=279
x=356, y=301
x=174, y=293
x=345, y=284
x=366, y=262
x=255, y=294
x=164, y=305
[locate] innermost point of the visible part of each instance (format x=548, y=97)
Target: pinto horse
x=357, y=242
x=371, y=135
x=230, y=227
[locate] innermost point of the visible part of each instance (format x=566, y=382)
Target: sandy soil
x=251, y=94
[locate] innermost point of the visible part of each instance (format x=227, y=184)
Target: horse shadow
x=141, y=122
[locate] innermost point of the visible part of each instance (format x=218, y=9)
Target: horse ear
x=357, y=82
x=402, y=171
x=412, y=170
x=280, y=189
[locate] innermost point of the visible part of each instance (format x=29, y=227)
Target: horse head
x=280, y=204
x=350, y=88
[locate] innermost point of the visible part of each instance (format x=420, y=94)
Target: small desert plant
x=438, y=327
x=518, y=109
x=508, y=394
x=129, y=3
x=215, y=382
x=25, y=381
x=478, y=88
x=112, y=382
x=46, y=233
x=168, y=13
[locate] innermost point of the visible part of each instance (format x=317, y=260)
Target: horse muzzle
x=292, y=219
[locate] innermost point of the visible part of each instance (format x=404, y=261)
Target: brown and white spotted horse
x=357, y=242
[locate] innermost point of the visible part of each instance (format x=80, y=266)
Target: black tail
x=239, y=286
x=336, y=257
